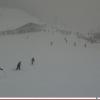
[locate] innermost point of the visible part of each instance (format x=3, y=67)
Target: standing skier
x=19, y=65
x=66, y=40
x=32, y=60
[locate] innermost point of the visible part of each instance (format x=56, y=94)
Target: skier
x=32, y=60
x=66, y=40
x=19, y=65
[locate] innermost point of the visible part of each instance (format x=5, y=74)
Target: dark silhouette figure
x=19, y=66
x=66, y=40
x=32, y=60
x=1, y=68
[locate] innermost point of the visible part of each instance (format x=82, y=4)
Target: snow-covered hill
x=64, y=66
x=13, y=18
x=25, y=29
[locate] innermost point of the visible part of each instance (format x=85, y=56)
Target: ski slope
x=61, y=70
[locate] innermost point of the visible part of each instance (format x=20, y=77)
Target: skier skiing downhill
x=66, y=40
x=33, y=61
x=18, y=66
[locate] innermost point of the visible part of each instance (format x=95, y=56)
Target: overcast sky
x=82, y=15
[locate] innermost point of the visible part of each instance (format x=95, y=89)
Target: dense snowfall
x=66, y=62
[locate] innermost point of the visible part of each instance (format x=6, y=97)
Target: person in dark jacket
x=32, y=60
x=18, y=66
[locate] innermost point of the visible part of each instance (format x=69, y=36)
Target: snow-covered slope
x=60, y=70
x=64, y=67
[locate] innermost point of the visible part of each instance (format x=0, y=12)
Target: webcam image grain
x=49, y=48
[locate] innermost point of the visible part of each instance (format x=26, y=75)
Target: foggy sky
x=78, y=15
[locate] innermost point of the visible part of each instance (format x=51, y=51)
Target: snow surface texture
x=63, y=67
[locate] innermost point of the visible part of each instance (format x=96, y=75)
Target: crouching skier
x=18, y=66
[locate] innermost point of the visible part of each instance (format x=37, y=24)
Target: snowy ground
x=60, y=69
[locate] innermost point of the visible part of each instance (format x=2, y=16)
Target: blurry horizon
x=76, y=15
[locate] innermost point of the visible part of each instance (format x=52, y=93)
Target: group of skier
x=19, y=64
x=74, y=44
x=18, y=67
